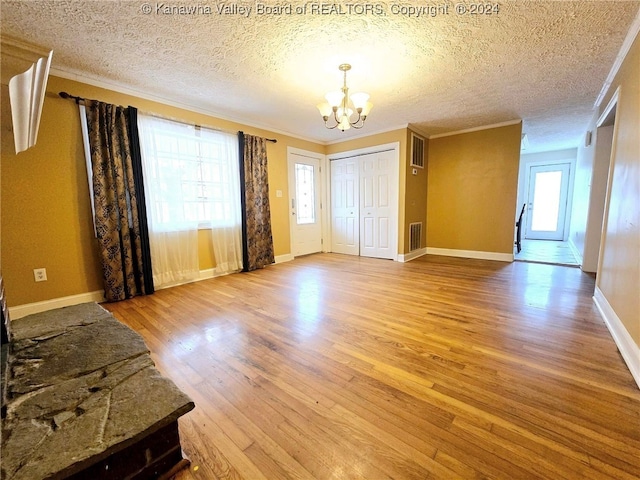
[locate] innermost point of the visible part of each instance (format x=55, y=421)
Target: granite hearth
x=84, y=400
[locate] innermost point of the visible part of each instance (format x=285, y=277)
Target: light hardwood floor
x=343, y=367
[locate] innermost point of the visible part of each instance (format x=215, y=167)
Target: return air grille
x=417, y=151
x=415, y=236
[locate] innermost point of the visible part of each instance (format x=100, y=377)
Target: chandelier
x=338, y=106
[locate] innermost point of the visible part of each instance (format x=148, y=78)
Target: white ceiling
x=542, y=61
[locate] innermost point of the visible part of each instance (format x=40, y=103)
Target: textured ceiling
x=542, y=61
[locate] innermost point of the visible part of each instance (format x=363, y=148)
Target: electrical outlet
x=40, y=274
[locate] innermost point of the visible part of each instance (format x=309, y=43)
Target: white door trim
x=394, y=146
x=325, y=221
x=611, y=107
x=365, y=151
x=539, y=163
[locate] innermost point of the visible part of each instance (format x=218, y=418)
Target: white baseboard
x=628, y=349
x=20, y=311
x=287, y=257
x=208, y=273
x=501, y=257
x=412, y=255
x=575, y=251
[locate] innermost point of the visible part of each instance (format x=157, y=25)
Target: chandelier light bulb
x=325, y=110
x=367, y=108
x=359, y=99
x=334, y=98
x=344, y=124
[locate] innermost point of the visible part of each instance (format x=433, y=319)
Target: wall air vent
x=415, y=236
x=417, y=151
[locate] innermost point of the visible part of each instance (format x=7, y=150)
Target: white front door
x=304, y=204
x=345, y=211
x=548, y=193
x=378, y=211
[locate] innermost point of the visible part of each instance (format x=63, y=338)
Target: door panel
x=383, y=232
x=548, y=191
x=304, y=203
x=367, y=191
x=345, y=203
x=368, y=231
x=377, y=217
x=383, y=191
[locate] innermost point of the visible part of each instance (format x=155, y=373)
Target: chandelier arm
x=328, y=127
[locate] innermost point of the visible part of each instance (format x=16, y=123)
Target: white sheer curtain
x=225, y=216
x=191, y=183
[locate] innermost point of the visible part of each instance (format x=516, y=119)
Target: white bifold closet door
x=364, y=191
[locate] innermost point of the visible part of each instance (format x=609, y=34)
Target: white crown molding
x=418, y=130
x=18, y=56
x=126, y=90
x=368, y=134
x=622, y=54
x=14, y=47
x=477, y=129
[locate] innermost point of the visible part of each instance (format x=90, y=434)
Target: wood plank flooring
x=339, y=367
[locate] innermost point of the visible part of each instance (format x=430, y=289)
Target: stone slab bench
x=84, y=400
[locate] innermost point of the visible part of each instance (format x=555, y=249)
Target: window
x=191, y=175
x=305, y=195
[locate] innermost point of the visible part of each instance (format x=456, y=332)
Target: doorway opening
x=545, y=192
x=598, y=211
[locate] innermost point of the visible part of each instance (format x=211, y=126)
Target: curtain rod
x=81, y=101
x=78, y=100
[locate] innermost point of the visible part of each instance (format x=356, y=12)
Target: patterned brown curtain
x=115, y=200
x=257, y=240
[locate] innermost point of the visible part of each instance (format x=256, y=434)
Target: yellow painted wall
x=471, y=190
x=393, y=136
x=415, y=198
x=46, y=217
x=619, y=274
